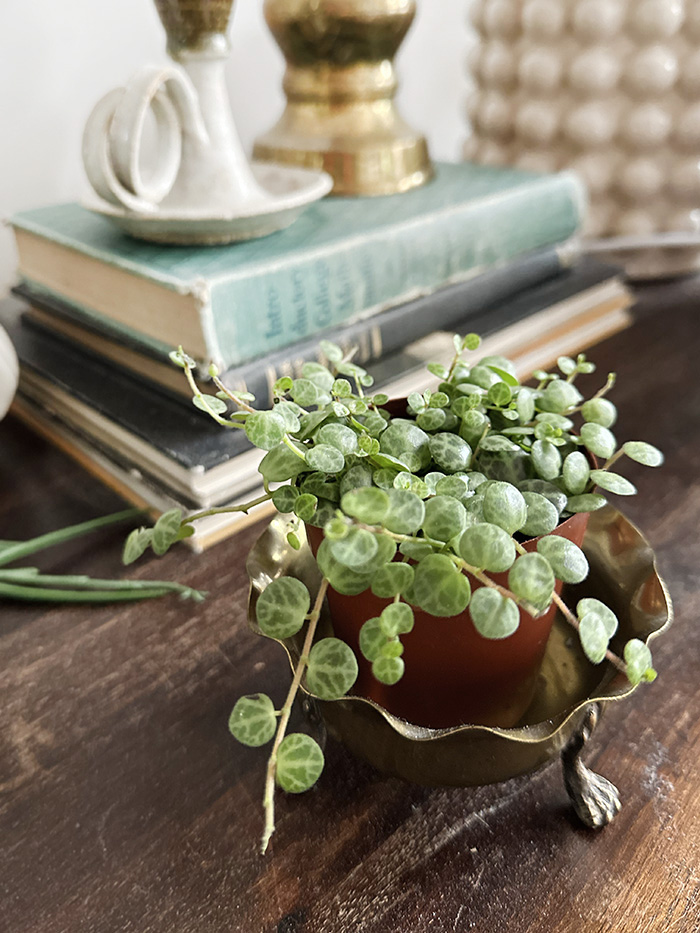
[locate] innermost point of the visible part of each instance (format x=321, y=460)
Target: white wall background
x=57, y=59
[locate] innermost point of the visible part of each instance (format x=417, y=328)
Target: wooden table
x=126, y=806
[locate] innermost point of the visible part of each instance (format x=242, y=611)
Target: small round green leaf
x=406, y=512
x=542, y=517
x=599, y=440
x=439, y=587
x=546, y=459
x=588, y=502
x=613, y=482
x=281, y=464
x=487, y=547
x=210, y=404
x=600, y=411
x=265, y=429
x=388, y=670
x=299, y=763
x=253, y=721
x=392, y=579
x=548, y=490
x=445, y=517
x=591, y=606
x=282, y=607
x=135, y=545
x=396, y=619
x=566, y=559
x=493, y=615
x=576, y=472
x=532, y=578
x=367, y=504
x=450, y=452
x=504, y=506
x=339, y=436
x=372, y=639
x=356, y=548
x=406, y=442
x=325, y=458
x=284, y=498
x=305, y=506
x=643, y=453
x=638, y=659
x=559, y=396
x=305, y=392
x=432, y=419
x=166, y=531
x=332, y=669
x=594, y=637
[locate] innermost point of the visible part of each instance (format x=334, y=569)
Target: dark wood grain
x=126, y=806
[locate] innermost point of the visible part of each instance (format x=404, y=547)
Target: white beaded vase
x=609, y=88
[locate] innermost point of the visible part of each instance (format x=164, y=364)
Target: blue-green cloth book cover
x=344, y=258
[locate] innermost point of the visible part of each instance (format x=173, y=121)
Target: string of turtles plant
x=410, y=508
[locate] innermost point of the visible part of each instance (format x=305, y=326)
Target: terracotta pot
x=453, y=674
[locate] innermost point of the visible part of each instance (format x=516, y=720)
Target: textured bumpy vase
x=609, y=88
x=340, y=85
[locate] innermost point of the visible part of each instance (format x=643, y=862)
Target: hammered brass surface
x=622, y=571
x=340, y=84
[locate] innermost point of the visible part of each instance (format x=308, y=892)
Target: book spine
x=279, y=305
x=449, y=308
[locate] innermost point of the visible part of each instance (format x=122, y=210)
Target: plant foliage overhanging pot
x=474, y=481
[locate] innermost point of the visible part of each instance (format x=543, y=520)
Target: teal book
x=342, y=260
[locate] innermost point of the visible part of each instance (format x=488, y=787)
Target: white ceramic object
x=611, y=89
x=289, y=191
x=201, y=188
x=9, y=373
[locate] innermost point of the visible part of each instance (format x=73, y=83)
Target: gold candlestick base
x=340, y=83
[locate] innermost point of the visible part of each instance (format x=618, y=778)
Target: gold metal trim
x=622, y=571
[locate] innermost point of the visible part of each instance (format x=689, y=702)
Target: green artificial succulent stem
x=269, y=795
x=46, y=594
x=17, y=549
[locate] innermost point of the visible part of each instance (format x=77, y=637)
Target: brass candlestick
x=340, y=85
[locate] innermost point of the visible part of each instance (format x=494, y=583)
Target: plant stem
x=234, y=398
x=19, y=549
x=269, y=797
x=222, y=510
x=287, y=440
x=615, y=457
x=30, y=576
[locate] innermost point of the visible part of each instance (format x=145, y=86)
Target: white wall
x=57, y=59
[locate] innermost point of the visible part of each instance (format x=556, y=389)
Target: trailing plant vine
x=414, y=506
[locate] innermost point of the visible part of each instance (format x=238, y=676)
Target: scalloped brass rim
x=608, y=530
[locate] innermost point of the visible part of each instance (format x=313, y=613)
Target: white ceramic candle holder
x=201, y=187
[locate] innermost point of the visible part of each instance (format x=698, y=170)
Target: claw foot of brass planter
x=340, y=85
x=570, y=695
x=595, y=799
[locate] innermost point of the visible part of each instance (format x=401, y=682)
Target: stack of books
x=96, y=314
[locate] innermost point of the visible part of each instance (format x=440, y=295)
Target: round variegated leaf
x=493, y=615
x=440, y=589
x=282, y=607
x=253, y=721
x=396, y=619
x=566, y=559
x=332, y=669
x=487, y=547
x=299, y=763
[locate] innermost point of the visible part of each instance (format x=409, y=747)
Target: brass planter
x=569, y=698
x=340, y=85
